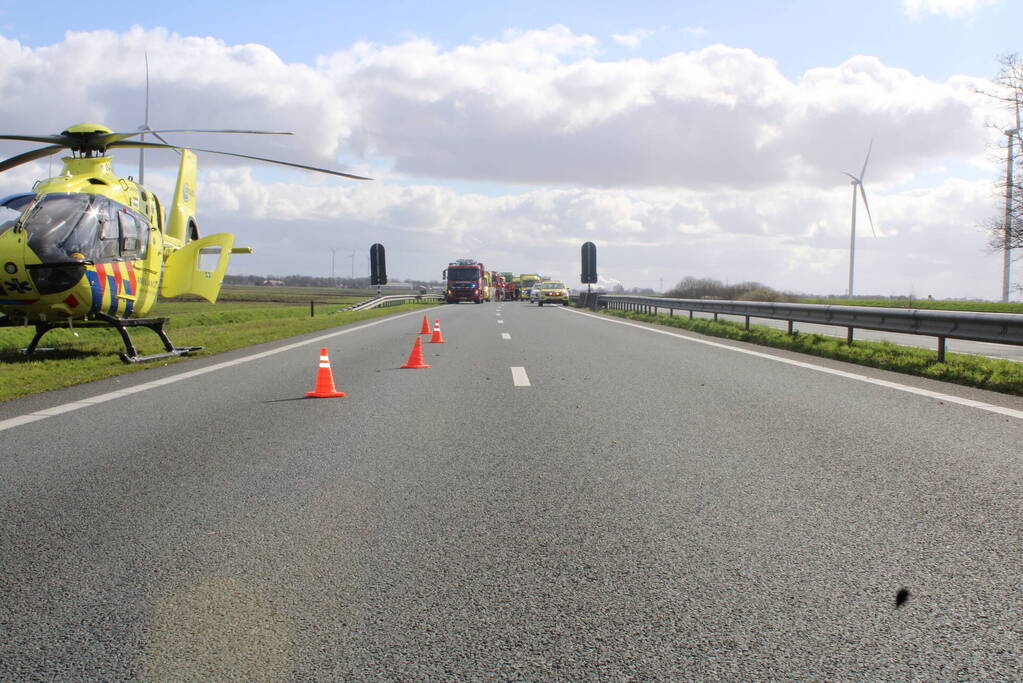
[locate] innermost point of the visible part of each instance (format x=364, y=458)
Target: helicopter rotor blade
x=51, y=139
x=108, y=139
x=98, y=141
x=153, y=145
x=26, y=157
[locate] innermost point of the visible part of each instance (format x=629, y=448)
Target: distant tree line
x=310, y=281
x=708, y=288
x=619, y=288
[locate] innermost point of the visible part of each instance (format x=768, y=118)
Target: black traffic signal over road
x=377, y=265
x=589, y=263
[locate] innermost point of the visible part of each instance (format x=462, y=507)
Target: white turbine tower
x=857, y=184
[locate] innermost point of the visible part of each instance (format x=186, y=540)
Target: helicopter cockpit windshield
x=77, y=227
x=11, y=208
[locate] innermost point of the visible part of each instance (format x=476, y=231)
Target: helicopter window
x=129, y=234
x=159, y=212
x=108, y=228
x=11, y=208
x=74, y=226
x=108, y=235
x=60, y=225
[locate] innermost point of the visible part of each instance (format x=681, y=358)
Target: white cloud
x=709, y=162
x=633, y=38
x=950, y=8
x=794, y=238
x=195, y=83
x=534, y=107
x=714, y=117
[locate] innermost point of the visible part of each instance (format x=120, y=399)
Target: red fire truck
x=500, y=286
x=466, y=282
x=511, y=288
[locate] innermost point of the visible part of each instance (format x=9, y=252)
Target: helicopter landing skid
x=130, y=355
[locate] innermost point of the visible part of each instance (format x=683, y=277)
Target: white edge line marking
x=519, y=377
x=120, y=393
x=991, y=408
x=22, y=420
x=505, y=335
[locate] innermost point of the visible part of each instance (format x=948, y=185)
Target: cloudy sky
x=683, y=138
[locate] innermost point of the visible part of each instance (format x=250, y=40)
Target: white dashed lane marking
x=505, y=335
x=519, y=377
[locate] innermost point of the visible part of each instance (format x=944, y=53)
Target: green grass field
x=244, y=316
x=287, y=295
x=986, y=373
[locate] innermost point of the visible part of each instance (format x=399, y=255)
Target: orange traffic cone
x=415, y=359
x=324, y=379
x=426, y=326
x=437, y=337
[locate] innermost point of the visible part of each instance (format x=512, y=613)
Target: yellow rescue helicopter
x=88, y=248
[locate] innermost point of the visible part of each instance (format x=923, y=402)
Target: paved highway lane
x=645, y=507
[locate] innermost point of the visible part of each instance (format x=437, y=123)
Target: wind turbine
x=857, y=184
x=145, y=127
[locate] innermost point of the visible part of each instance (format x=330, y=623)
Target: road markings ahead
x=519, y=377
x=85, y=403
x=505, y=335
x=991, y=408
x=500, y=322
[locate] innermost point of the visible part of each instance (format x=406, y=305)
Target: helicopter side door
x=190, y=270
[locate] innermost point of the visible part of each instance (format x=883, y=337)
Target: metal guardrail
x=393, y=300
x=998, y=328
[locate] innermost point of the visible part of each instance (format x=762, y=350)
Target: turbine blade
x=864, y=171
x=153, y=145
x=854, y=178
x=863, y=193
x=146, y=124
x=29, y=156
x=160, y=138
x=147, y=130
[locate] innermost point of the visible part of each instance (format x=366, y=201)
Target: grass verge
x=93, y=354
x=976, y=371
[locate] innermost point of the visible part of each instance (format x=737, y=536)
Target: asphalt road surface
x=560, y=496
